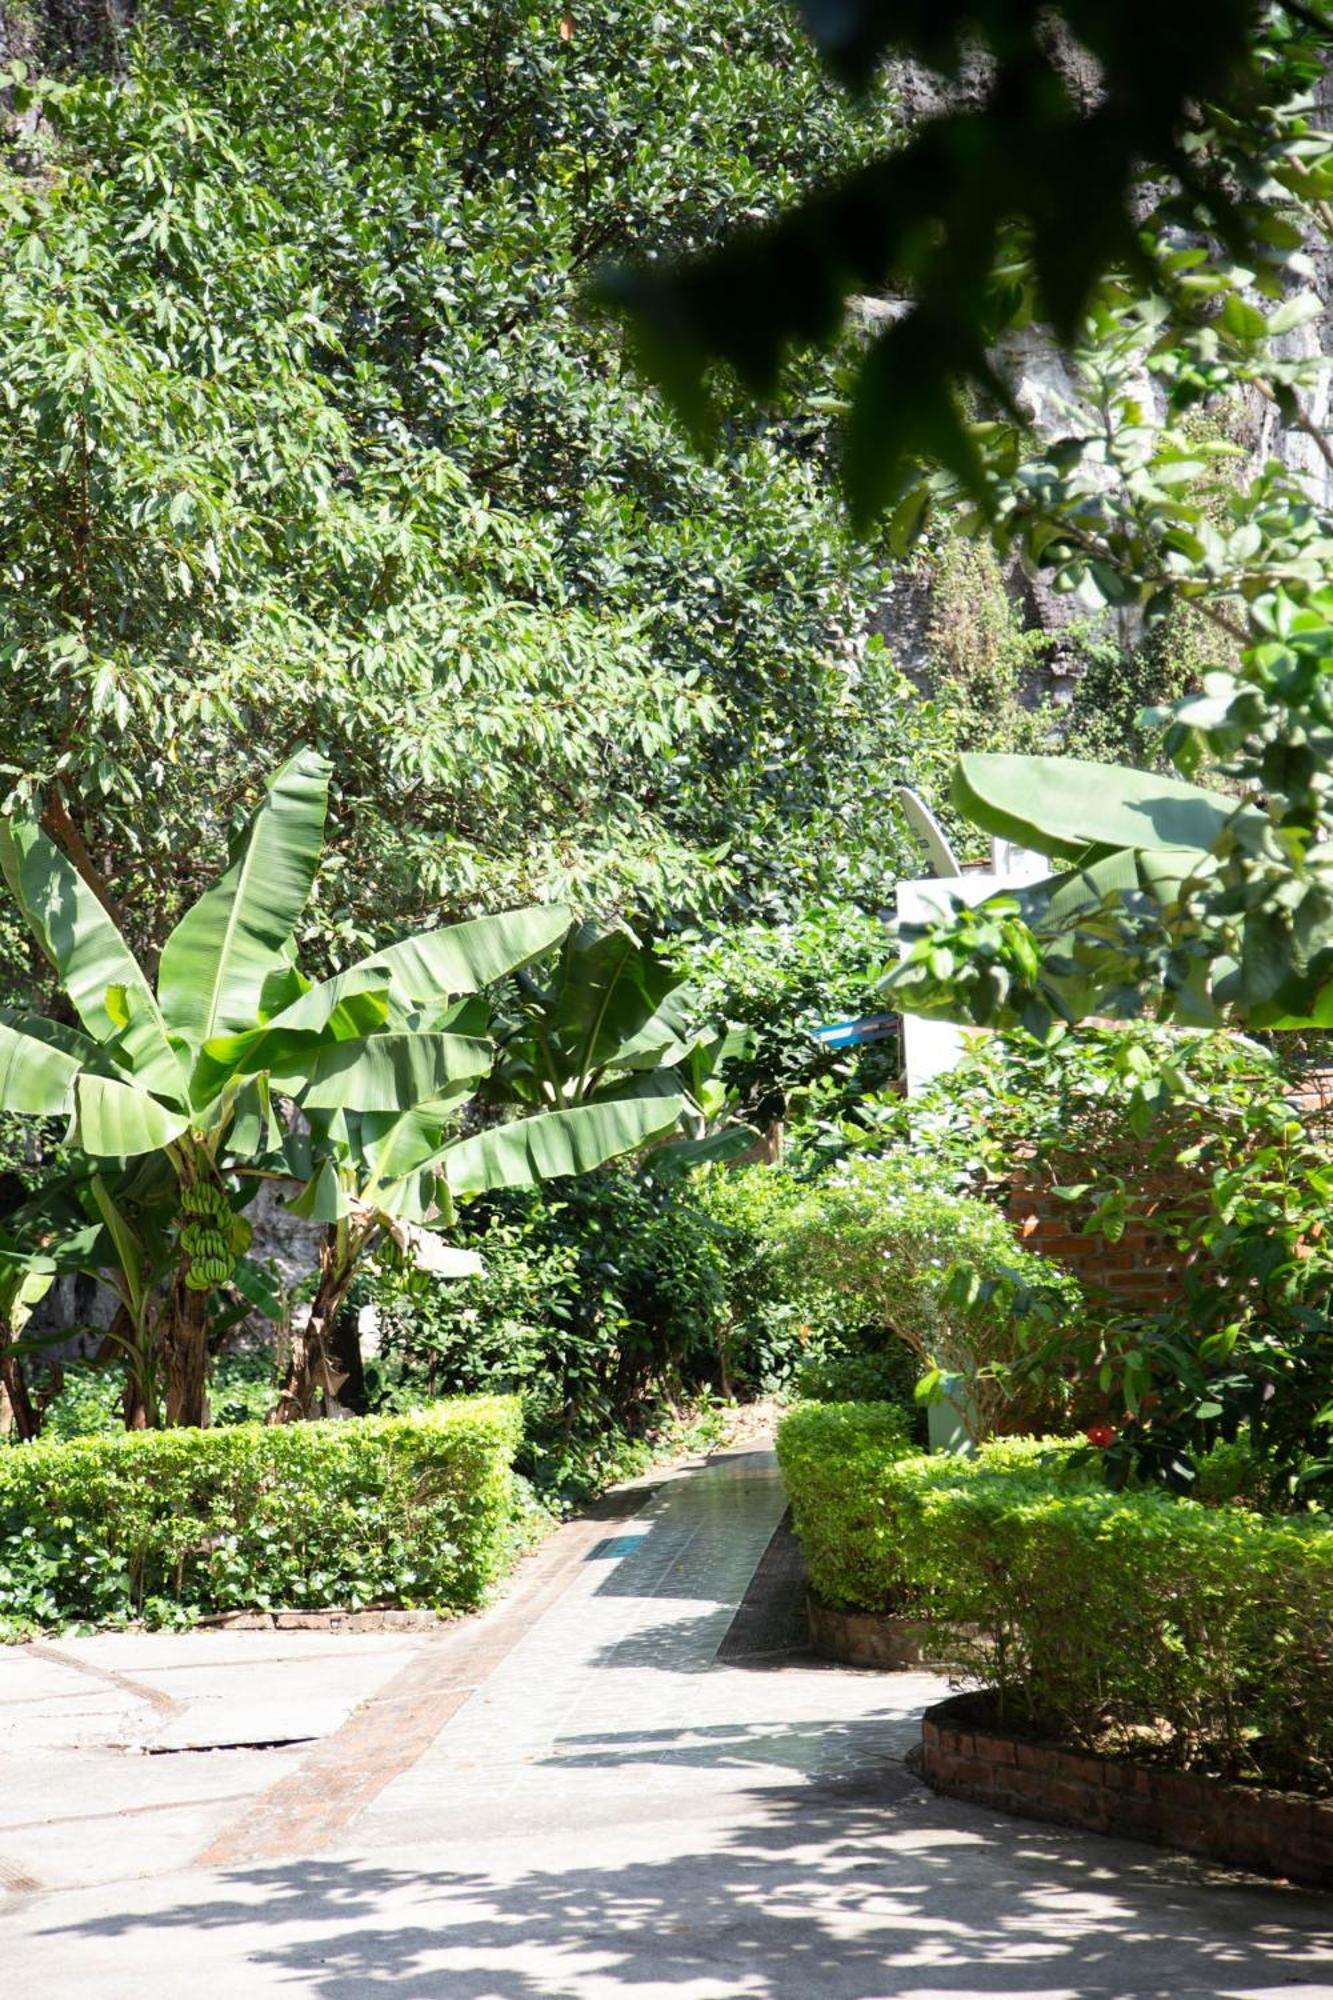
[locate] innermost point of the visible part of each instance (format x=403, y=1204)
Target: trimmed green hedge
x=1135, y=1620
x=410, y=1510
x=856, y=1483
x=837, y=1461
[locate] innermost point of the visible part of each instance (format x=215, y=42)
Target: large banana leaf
x=666, y=1038
x=1062, y=806
x=323, y=1198
x=421, y=972
x=109, y=991
x=393, y=1147
x=462, y=958
x=256, y=1131
x=387, y=1072
x=38, y=1064
x=605, y=989
x=351, y=1003
x=113, y=1120
x=217, y=959
x=556, y=1142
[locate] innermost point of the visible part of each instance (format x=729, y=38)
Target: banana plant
x=133, y=1079
x=188, y=1071
x=399, y=1174
x=604, y=1020
x=196, y=1079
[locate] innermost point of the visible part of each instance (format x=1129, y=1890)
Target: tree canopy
x=305, y=437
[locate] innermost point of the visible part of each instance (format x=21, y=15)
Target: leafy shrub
x=1195, y=1137
x=944, y=1273
x=606, y=1299
x=856, y=1481
x=834, y=1459
x=885, y=1377
x=1133, y=1621
x=409, y=1510
x=601, y=1303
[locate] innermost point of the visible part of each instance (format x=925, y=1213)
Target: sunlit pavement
x=574, y=1795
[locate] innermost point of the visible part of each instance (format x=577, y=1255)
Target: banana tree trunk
x=25, y=1420
x=185, y=1356
x=314, y=1375
x=132, y=1348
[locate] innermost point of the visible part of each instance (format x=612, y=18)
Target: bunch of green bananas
x=205, y=1198
x=207, y=1235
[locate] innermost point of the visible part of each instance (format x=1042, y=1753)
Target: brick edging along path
x=966, y=1755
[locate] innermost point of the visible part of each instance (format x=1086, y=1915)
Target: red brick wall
x=1145, y=1267
x=1278, y=1833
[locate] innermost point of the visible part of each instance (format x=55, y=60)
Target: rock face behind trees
x=923, y=602
x=62, y=34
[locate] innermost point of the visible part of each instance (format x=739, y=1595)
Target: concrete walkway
x=612, y=1787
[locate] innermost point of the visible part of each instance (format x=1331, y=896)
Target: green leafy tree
x=305, y=438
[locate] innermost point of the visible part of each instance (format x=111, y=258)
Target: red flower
x=1100, y=1434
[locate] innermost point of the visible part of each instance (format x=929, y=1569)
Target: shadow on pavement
x=821, y=1893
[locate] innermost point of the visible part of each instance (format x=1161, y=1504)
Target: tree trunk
x=345, y=1351
x=185, y=1356
x=14, y=1390
x=314, y=1376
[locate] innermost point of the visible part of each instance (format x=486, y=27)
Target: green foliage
x=982, y=657
x=601, y=1302
x=1108, y=720
x=1098, y=130
x=945, y=1275
x=1198, y=906
x=406, y=1510
x=605, y=1020
x=1126, y=1621
x=193, y=1081
x=887, y=1376
x=779, y=983
x=319, y=445
x=787, y=1317
x=1087, y=1109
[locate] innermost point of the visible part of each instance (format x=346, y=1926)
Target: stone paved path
x=588, y=1794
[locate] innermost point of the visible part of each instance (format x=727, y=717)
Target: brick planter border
x=885, y=1639
x=968, y=1756
x=328, y=1620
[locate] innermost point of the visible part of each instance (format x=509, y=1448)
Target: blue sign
x=847, y=1034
